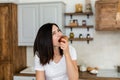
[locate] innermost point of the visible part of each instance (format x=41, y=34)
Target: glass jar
x=71, y=35
x=83, y=22
x=88, y=36
x=83, y=68
x=80, y=36
x=78, y=7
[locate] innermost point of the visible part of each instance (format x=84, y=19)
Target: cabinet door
x=4, y=31
x=52, y=13
x=5, y=71
x=24, y=78
x=106, y=15
x=27, y=23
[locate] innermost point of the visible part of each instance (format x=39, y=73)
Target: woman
x=54, y=60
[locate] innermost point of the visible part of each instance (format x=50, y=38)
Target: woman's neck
x=57, y=55
x=56, y=51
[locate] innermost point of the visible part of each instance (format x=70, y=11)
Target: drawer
x=24, y=78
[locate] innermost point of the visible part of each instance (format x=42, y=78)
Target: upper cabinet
x=32, y=16
x=27, y=23
x=107, y=15
x=52, y=12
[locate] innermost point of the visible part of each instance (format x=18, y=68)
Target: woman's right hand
x=64, y=45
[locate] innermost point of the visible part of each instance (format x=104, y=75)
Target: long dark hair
x=43, y=44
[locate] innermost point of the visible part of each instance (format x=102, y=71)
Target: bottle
x=83, y=22
x=88, y=36
x=78, y=7
x=88, y=7
x=80, y=36
x=71, y=35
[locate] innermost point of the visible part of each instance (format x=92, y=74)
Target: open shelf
x=75, y=24
x=80, y=26
x=81, y=39
x=82, y=13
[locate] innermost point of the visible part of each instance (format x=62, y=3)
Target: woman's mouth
x=63, y=37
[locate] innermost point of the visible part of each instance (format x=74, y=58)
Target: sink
x=108, y=73
x=29, y=70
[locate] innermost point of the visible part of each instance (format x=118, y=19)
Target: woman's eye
x=59, y=30
x=55, y=32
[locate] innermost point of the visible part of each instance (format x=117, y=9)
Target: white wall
x=3, y=0
x=6, y=1
x=103, y=51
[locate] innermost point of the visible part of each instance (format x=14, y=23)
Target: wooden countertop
x=82, y=75
x=89, y=76
x=24, y=74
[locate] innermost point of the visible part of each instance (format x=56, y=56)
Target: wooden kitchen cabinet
x=106, y=15
x=5, y=71
x=12, y=57
x=33, y=15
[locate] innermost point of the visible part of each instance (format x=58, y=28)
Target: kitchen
x=102, y=51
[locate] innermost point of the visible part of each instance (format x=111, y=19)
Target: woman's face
x=56, y=34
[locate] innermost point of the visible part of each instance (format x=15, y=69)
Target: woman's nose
x=60, y=33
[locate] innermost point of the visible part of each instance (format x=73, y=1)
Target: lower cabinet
x=100, y=79
x=5, y=69
x=24, y=78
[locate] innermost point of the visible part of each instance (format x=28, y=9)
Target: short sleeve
x=73, y=53
x=38, y=66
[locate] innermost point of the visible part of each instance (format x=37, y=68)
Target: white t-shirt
x=55, y=71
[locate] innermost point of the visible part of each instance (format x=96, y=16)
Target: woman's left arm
x=72, y=69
